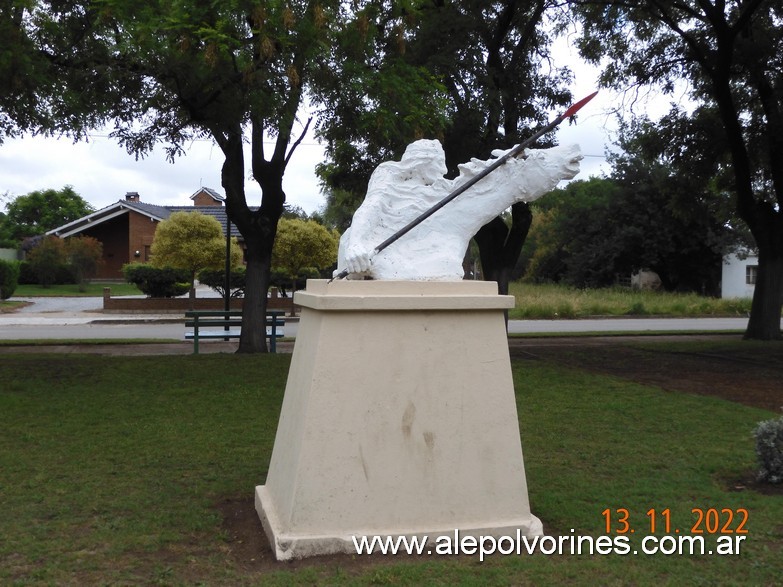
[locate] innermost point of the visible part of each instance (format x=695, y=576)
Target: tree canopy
x=657, y=210
x=236, y=72
x=303, y=244
x=478, y=75
x=192, y=241
x=731, y=56
x=40, y=211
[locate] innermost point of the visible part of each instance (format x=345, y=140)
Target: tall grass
x=559, y=301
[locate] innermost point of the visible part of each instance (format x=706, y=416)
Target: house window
x=146, y=253
x=750, y=274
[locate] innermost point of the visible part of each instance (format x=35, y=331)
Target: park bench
x=216, y=324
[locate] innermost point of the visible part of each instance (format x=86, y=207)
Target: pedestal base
x=399, y=418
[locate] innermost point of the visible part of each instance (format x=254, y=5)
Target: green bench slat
x=210, y=319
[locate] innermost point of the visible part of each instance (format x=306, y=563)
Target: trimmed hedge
x=157, y=282
x=63, y=275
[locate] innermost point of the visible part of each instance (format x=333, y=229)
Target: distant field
x=557, y=301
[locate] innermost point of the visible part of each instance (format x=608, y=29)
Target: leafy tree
x=293, y=211
x=216, y=280
x=488, y=69
x=191, y=241
x=375, y=104
x=7, y=241
x=46, y=259
x=42, y=90
x=84, y=254
x=236, y=72
x=677, y=203
x=42, y=210
x=303, y=244
x=731, y=55
x=572, y=236
x=592, y=231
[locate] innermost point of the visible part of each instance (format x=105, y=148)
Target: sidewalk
x=83, y=318
x=65, y=311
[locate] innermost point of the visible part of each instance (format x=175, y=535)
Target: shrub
x=157, y=282
x=85, y=255
x=26, y=275
x=62, y=274
x=46, y=260
x=9, y=278
x=769, y=449
x=283, y=282
x=216, y=280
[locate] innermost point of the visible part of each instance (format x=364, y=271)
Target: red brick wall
x=204, y=199
x=141, y=231
x=121, y=237
x=180, y=305
x=113, y=234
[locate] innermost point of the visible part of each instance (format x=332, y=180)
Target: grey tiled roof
x=152, y=210
x=217, y=212
x=163, y=212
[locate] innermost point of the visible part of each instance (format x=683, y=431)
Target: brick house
x=126, y=228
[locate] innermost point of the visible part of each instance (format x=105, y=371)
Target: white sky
x=101, y=172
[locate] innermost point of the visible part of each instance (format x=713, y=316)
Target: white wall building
x=738, y=278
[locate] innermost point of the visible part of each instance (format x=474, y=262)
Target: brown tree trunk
x=252, y=339
x=500, y=246
x=259, y=234
x=762, y=219
x=258, y=228
x=764, y=322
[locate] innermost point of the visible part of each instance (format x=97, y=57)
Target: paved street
x=75, y=318
x=627, y=325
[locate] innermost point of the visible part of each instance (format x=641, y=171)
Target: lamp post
x=227, y=291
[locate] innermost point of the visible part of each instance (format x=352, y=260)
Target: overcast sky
x=101, y=172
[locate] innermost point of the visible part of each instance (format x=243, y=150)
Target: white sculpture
x=400, y=191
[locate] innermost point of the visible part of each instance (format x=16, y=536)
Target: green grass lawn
x=93, y=289
x=559, y=301
x=112, y=466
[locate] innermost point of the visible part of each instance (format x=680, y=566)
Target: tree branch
x=299, y=140
x=771, y=107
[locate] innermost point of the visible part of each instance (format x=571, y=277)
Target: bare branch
x=299, y=140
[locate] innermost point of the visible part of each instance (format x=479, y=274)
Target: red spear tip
x=574, y=108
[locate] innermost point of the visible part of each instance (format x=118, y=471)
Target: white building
x=738, y=278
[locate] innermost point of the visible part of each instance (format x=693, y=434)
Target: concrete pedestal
x=399, y=418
